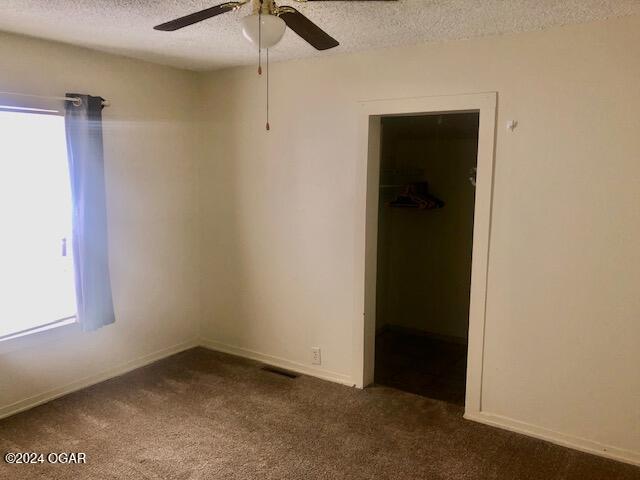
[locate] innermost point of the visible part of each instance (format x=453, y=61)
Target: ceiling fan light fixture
x=273, y=29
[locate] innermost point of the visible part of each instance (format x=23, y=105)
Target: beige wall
x=150, y=160
x=561, y=348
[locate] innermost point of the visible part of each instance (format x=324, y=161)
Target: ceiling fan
x=265, y=27
x=267, y=24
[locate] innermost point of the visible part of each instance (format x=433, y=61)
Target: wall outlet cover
x=316, y=358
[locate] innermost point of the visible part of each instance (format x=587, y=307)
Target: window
x=36, y=264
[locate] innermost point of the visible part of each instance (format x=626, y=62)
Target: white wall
x=150, y=160
x=561, y=349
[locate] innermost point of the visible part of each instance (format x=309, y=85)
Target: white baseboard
x=576, y=443
x=121, y=369
x=278, y=362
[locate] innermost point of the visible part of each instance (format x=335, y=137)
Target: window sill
x=45, y=328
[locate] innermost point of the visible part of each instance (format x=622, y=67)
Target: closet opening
x=425, y=231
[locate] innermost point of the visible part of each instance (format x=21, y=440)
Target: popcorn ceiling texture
x=126, y=26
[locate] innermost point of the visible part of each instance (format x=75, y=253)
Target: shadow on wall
x=424, y=256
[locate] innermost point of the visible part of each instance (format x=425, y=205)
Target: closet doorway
x=426, y=203
x=368, y=205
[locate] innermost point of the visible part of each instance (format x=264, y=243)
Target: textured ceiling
x=126, y=26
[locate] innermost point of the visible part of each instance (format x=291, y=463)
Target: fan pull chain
x=268, y=126
x=260, y=38
x=260, y=58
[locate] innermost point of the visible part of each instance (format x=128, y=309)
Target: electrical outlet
x=316, y=359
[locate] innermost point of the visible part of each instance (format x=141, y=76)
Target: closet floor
x=421, y=365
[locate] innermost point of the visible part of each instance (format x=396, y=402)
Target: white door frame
x=367, y=174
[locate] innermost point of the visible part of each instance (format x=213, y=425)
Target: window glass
x=36, y=255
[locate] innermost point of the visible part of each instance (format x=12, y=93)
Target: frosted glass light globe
x=272, y=29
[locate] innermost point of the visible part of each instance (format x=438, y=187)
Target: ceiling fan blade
x=196, y=17
x=307, y=30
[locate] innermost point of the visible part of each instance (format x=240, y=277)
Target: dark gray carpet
x=421, y=364
x=206, y=415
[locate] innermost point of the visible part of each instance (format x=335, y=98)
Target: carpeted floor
x=206, y=415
